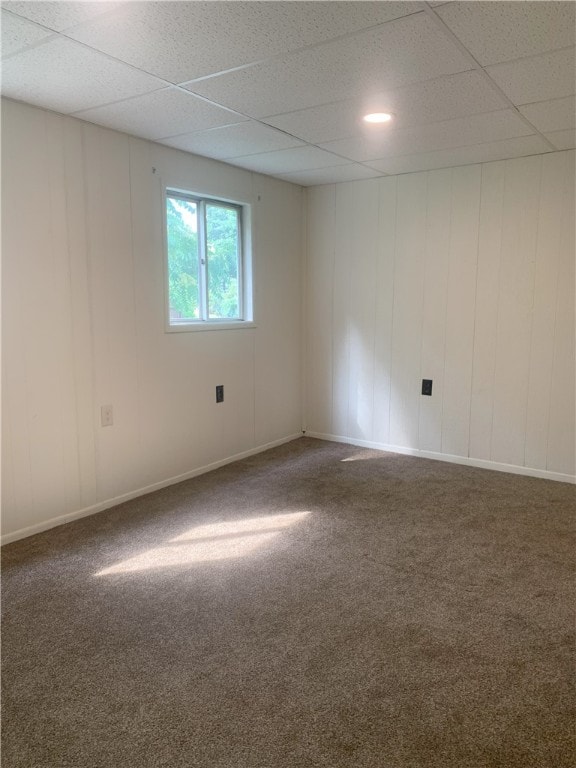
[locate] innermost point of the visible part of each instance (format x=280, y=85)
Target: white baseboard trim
x=514, y=469
x=101, y=506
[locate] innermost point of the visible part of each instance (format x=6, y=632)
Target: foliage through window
x=204, y=246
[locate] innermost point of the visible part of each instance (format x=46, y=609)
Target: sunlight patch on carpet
x=250, y=525
x=209, y=543
x=360, y=456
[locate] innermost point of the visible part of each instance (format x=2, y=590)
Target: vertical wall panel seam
x=474, y=313
x=394, y=247
x=349, y=326
x=530, y=345
x=27, y=348
x=394, y=257
x=255, y=259
x=377, y=278
x=448, y=245
x=423, y=270
x=375, y=272
x=505, y=184
x=475, y=304
x=90, y=278
x=254, y=374
x=553, y=340
x=54, y=260
x=304, y=355
x=134, y=302
x=423, y=295
x=24, y=367
x=333, y=249
x=89, y=308
x=554, y=353
x=49, y=247
x=71, y=308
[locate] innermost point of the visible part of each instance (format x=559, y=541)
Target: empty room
x=288, y=384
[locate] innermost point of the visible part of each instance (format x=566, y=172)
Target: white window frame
x=206, y=323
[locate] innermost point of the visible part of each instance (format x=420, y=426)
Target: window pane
x=183, y=287
x=222, y=247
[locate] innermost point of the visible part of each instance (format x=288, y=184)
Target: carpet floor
x=317, y=605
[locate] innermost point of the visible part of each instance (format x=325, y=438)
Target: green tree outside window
x=202, y=270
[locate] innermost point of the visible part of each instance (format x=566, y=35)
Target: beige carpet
x=316, y=605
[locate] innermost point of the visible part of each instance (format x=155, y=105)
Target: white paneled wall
x=464, y=276
x=83, y=322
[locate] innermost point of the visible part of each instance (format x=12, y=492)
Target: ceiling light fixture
x=378, y=117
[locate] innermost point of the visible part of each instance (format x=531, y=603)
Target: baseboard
x=514, y=469
x=108, y=503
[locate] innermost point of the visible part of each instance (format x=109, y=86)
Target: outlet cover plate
x=427, y=386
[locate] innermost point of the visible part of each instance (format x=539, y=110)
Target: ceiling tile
x=18, y=33
x=65, y=76
x=166, y=112
x=399, y=53
x=500, y=31
x=478, y=129
x=234, y=141
x=479, y=153
x=332, y=175
x=319, y=124
x=537, y=78
x=553, y=115
x=562, y=139
x=288, y=160
x=183, y=40
x=452, y=96
x=386, y=55
x=58, y=15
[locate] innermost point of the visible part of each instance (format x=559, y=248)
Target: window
x=205, y=261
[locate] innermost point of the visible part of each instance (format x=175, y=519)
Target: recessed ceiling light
x=378, y=117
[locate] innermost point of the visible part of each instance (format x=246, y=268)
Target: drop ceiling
x=280, y=87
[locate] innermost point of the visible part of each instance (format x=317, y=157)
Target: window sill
x=211, y=326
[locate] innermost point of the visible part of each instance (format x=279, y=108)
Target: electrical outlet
x=106, y=416
x=220, y=393
x=427, y=386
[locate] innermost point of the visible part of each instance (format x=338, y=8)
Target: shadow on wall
x=366, y=403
